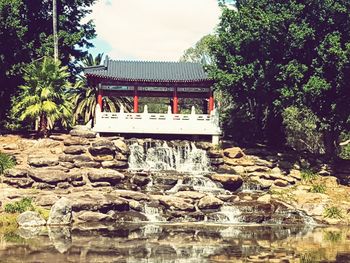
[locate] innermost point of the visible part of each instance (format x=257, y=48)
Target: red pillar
x=99, y=98
x=175, y=102
x=136, y=101
x=211, y=102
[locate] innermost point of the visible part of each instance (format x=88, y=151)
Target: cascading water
x=152, y=214
x=160, y=157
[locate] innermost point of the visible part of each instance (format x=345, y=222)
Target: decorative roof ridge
x=96, y=67
x=151, y=61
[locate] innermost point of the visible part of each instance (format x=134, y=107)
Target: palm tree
x=44, y=96
x=84, y=96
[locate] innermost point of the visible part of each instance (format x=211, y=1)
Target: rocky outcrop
x=61, y=213
x=30, y=219
x=231, y=182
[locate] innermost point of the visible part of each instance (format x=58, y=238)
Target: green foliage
x=308, y=175
x=44, y=97
x=332, y=236
x=25, y=204
x=271, y=55
x=6, y=162
x=333, y=212
x=200, y=52
x=8, y=219
x=301, y=130
x=318, y=188
x=26, y=35
x=345, y=146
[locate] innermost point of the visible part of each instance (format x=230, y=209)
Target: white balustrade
x=155, y=123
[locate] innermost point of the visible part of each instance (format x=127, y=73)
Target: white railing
x=192, y=124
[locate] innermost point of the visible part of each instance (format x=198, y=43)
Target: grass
x=8, y=220
x=333, y=212
x=333, y=236
x=318, y=188
x=308, y=175
x=6, y=162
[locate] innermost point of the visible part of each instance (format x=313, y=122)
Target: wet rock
x=115, y=164
x=135, y=205
x=102, y=147
x=19, y=182
x=107, y=175
x=175, y=203
x=37, y=161
x=212, y=153
x=121, y=157
x=131, y=195
x=230, y=182
x=129, y=216
x=74, y=158
x=53, y=176
x=280, y=183
x=90, y=216
x=87, y=164
x=190, y=194
x=210, y=202
x=74, y=150
x=216, y=161
x=140, y=180
x=16, y=173
x=166, y=180
x=234, y=152
x=72, y=141
x=262, y=183
x=28, y=232
x=83, y=133
x=30, y=218
x=61, y=212
x=121, y=146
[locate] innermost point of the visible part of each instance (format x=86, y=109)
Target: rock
x=247, y=198
x=216, y=161
x=175, y=203
x=71, y=141
x=107, y=175
x=46, y=200
x=87, y=164
x=67, y=165
x=121, y=157
x=210, y=202
x=241, y=161
x=102, y=147
x=204, y=145
x=276, y=171
x=16, y=173
x=10, y=147
x=280, y=183
x=212, y=153
x=29, y=232
x=90, y=216
x=140, y=180
x=262, y=162
x=230, y=182
x=78, y=183
x=130, y=216
x=313, y=204
x=115, y=164
x=74, y=149
x=101, y=184
x=238, y=169
x=63, y=185
x=37, y=161
x=59, y=138
x=285, y=165
x=135, y=205
x=61, y=212
x=296, y=174
x=234, y=152
x=190, y=194
x=83, y=133
x=256, y=168
x=266, y=199
x=262, y=183
x=132, y=195
x=324, y=173
x=121, y=146
x=19, y=182
x=43, y=186
x=61, y=238
x=54, y=176
x=30, y=218
x=74, y=158
x=103, y=158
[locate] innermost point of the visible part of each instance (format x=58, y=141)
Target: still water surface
x=176, y=243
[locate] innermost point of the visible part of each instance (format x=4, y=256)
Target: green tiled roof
x=147, y=71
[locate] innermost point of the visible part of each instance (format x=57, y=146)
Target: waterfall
x=152, y=214
x=159, y=156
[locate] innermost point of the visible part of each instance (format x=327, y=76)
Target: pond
x=176, y=243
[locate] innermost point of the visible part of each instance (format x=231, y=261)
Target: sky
x=151, y=29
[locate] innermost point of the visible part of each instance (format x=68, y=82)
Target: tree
x=44, y=96
x=84, y=96
x=26, y=35
x=270, y=55
x=200, y=52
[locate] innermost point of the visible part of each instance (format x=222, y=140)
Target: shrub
x=333, y=212
x=21, y=206
x=6, y=162
x=318, y=188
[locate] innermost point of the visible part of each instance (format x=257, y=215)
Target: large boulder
x=61, y=213
x=54, y=176
x=90, y=216
x=71, y=141
x=102, y=147
x=210, y=202
x=40, y=161
x=30, y=219
x=83, y=133
x=16, y=173
x=230, y=182
x=234, y=152
x=105, y=175
x=18, y=182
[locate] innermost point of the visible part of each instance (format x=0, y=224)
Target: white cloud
x=153, y=29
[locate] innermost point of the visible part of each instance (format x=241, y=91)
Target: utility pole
x=54, y=22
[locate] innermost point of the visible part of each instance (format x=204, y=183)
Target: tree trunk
x=330, y=139
x=43, y=132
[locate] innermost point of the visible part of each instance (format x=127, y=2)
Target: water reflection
x=176, y=243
